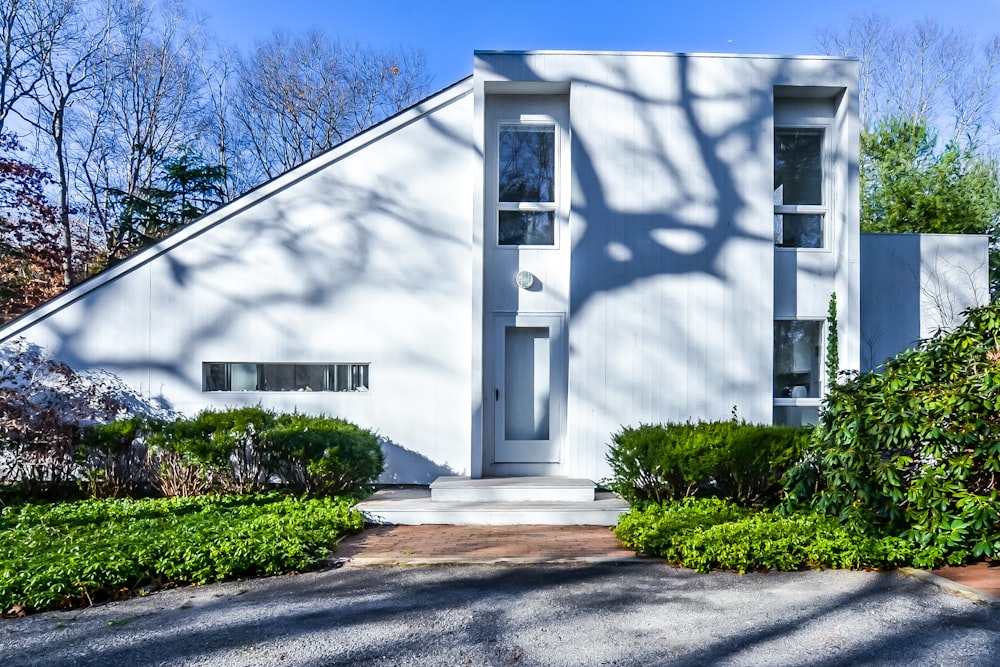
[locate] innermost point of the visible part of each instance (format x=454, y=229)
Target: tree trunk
x=67, y=236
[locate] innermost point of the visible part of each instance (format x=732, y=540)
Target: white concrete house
x=499, y=277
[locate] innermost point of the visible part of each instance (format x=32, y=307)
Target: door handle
x=498, y=394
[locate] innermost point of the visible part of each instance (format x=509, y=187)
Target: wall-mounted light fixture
x=524, y=279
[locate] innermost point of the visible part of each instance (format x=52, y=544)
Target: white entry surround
x=526, y=250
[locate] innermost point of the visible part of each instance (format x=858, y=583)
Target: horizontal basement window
x=231, y=376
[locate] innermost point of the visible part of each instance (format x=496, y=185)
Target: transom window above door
x=526, y=184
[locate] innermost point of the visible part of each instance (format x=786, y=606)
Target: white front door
x=530, y=392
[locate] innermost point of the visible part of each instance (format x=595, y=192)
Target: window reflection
x=798, y=173
x=527, y=227
x=527, y=163
x=798, y=230
x=797, y=358
x=227, y=376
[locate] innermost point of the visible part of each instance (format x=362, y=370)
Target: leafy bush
x=324, y=455
x=177, y=470
x=915, y=451
x=44, y=408
x=241, y=450
x=60, y=555
x=60, y=428
x=704, y=534
x=731, y=459
x=223, y=450
x=113, y=458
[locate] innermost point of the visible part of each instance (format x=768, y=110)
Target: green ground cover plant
x=711, y=533
x=56, y=555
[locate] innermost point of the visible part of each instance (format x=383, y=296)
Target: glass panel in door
x=527, y=371
x=529, y=411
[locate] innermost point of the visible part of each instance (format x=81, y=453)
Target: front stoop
x=502, y=501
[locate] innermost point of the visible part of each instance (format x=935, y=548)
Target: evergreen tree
x=907, y=185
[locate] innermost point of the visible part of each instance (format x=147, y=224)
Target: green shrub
x=67, y=554
x=246, y=450
x=222, y=450
x=234, y=443
x=731, y=459
x=324, y=455
x=915, y=450
x=705, y=534
x=113, y=458
x=182, y=460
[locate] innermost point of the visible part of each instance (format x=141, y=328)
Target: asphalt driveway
x=643, y=614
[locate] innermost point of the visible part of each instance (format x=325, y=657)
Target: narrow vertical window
x=799, y=202
x=798, y=371
x=526, y=184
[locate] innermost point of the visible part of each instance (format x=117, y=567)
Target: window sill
x=809, y=250
x=798, y=402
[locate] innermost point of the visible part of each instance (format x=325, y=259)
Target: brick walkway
x=983, y=577
x=384, y=544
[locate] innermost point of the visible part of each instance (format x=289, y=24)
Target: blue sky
x=448, y=31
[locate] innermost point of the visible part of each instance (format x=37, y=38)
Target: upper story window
x=800, y=208
x=526, y=184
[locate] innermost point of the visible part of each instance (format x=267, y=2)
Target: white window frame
x=530, y=207
x=823, y=335
x=825, y=208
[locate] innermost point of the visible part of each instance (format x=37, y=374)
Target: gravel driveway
x=528, y=615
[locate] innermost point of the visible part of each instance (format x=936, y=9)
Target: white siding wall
x=915, y=284
x=367, y=257
x=672, y=268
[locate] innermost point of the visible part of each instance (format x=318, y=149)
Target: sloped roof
x=243, y=202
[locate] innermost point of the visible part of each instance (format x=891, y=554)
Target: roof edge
x=674, y=54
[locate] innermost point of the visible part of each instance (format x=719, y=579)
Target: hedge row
x=241, y=450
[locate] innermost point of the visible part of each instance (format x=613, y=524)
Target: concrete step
x=456, y=488
x=414, y=507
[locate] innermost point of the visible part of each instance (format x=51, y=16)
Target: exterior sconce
x=524, y=279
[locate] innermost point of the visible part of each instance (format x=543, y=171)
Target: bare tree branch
x=922, y=72
x=299, y=96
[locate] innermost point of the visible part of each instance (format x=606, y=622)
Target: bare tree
x=924, y=71
x=71, y=74
x=221, y=140
x=27, y=31
x=299, y=96
x=146, y=110
x=122, y=97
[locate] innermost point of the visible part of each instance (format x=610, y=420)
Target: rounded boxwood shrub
x=221, y=450
x=727, y=459
x=113, y=458
x=323, y=454
x=240, y=450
